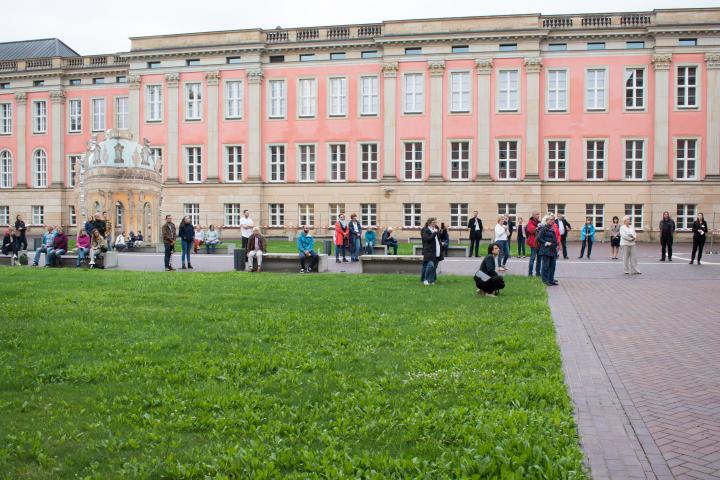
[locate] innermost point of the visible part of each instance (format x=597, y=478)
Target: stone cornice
x=533, y=64
x=57, y=96
x=662, y=61
x=484, y=66
x=212, y=78
x=172, y=80
x=254, y=76
x=436, y=68
x=712, y=60
x=189, y=52
x=390, y=69
x=21, y=98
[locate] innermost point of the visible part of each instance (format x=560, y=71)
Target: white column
x=532, y=125
x=134, y=106
x=713, y=115
x=171, y=81
x=213, y=79
x=254, y=79
x=21, y=161
x=389, y=113
x=484, y=70
x=57, y=99
x=437, y=72
x=661, y=63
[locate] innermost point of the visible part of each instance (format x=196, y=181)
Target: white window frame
x=459, y=215
x=631, y=209
x=591, y=92
x=368, y=98
x=337, y=102
x=341, y=172
x=234, y=99
x=629, y=70
x=71, y=161
x=232, y=214
x=413, y=211
x=558, y=161
x=119, y=214
x=6, y=169
x=277, y=98
x=72, y=214
x=192, y=210
x=122, y=115
x=595, y=160
x=281, y=176
x=156, y=153
x=75, y=115
x=560, y=94
x=518, y=146
x=368, y=215
x=460, y=94
x=369, y=162
x=634, y=160
x=460, y=161
x=5, y=215
x=234, y=157
x=508, y=98
x=193, y=92
x=276, y=215
x=334, y=211
x=307, y=97
x=153, y=103
x=38, y=215
x=686, y=88
x=509, y=209
x=40, y=168
x=6, y=118
x=685, y=160
x=39, y=116
x=556, y=208
x=685, y=215
x=98, y=115
x=193, y=169
x=417, y=176
x=413, y=93
x=306, y=211
x=307, y=162
x=593, y=214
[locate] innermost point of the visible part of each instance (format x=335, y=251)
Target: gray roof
x=41, y=48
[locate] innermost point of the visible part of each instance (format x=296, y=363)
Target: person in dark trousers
x=306, y=250
x=11, y=242
x=100, y=225
x=531, y=229
x=355, y=238
x=388, y=239
x=21, y=230
x=547, y=244
x=564, y=228
x=444, y=237
x=511, y=227
x=431, y=251
x=476, y=228
x=521, y=237
x=169, y=234
x=699, y=229
x=89, y=225
x=186, y=232
x=487, y=280
x=667, y=231
x=587, y=237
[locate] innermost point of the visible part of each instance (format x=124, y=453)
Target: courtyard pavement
x=641, y=355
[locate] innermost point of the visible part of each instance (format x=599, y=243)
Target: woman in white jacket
x=627, y=242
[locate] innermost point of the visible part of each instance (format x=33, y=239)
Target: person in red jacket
x=60, y=247
x=530, y=230
x=342, y=240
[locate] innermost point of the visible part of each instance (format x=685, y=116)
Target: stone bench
x=7, y=260
x=288, y=263
x=108, y=260
x=453, y=250
x=405, y=264
x=378, y=250
x=221, y=249
x=148, y=248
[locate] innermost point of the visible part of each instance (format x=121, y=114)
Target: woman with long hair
x=614, y=232
x=186, y=232
x=342, y=238
x=699, y=229
x=487, y=280
x=627, y=241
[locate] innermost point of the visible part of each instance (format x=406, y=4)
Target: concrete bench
x=415, y=240
x=288, y=263
x=406, y=264
x=221, y=249
x=108, y=260
x=453, y=250
x=148, y=248
x=378, y=250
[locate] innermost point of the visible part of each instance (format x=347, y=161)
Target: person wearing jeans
x=355, y=236
x=60, y=246
x=83, y=247
x=431, y=251
x=502, y=232
x=531, y=229
x=306, y=250
x=521, y=238
x=186, y=232
x=47, y=243
x=342, y=232
x=547, y=243
x=587, y=237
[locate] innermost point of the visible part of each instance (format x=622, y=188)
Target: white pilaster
x=532, y=109
x=661, y=63
x=437, y=72
x=389, y=111
x=254, y=80
x=171, y=81
x=713, y=115
x=484, y=70
x=134, y=106
x=213, y=79
x=57, y=100
x=21, y=162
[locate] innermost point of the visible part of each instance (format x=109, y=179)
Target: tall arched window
x=6, y=169
x=40, y=169
x=119, y=214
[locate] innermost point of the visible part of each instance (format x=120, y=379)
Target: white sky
x=103, y=26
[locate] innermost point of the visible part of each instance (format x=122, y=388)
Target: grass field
x=115, y=374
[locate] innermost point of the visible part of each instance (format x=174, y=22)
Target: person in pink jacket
x=83, y=246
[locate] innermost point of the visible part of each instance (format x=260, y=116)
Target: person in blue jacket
x=306, y=250
x=370, y=239
x=547, y=245
x=587, y=237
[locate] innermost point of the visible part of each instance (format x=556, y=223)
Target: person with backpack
x=531, y=230
x=546, y=241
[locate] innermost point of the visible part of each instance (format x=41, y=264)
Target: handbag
x=484, y=277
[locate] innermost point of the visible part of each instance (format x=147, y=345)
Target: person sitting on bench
x=256, y=248
x=388, y=239
x=306, y=250
x=212, y=238
x=60, y=246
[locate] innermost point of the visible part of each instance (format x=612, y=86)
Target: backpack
x=538, y=233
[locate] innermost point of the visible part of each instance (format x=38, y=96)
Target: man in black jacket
x=431, y=250
x=667, y=230
x=564, y=228
x=476, y=228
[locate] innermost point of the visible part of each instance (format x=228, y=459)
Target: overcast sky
x=97, y=26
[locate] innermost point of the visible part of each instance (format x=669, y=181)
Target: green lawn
x=112, y=374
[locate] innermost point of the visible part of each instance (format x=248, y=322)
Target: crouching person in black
x=487, y=280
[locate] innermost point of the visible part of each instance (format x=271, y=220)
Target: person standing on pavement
x=169, y=234
x=246, y=227
x=521, y=237
x=699, y=229
x=564, y=228
x=21, y=229
x=614, y=238
x=475, y=227
x=444, y=237
x=627, y=242
x=531, y=230
x=342, y=237
x=587, y=237
x=502, y=233
x=547, y=245
x=186, y=232
x=355, y=237
x=511, y=228
x=667, y=231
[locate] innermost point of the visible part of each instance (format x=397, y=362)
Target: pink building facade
x=588, y=115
